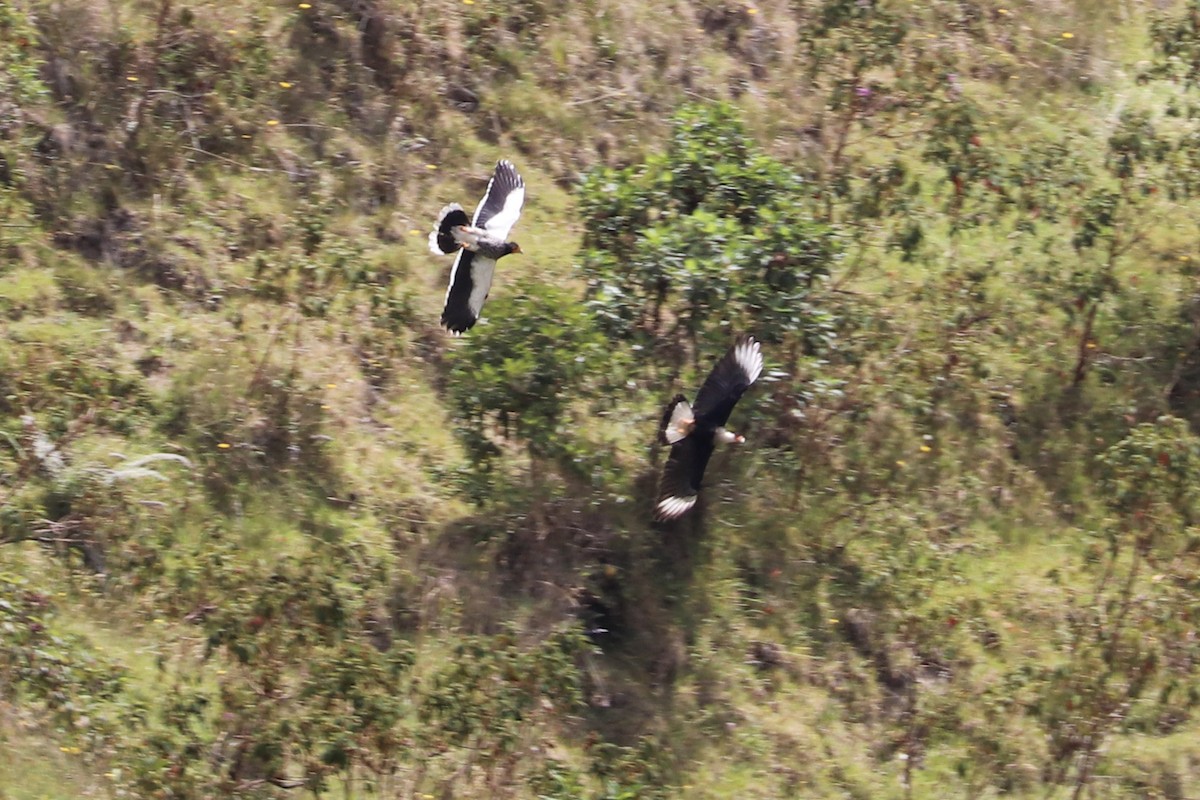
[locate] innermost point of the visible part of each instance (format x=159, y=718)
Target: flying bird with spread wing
x=480, y=242
x=694, y=430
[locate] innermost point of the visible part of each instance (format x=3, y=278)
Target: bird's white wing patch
x=749, y=357
x=680, y=423
x=672, y=507
x=503, y=221
x=500, y=207
x=482, y=270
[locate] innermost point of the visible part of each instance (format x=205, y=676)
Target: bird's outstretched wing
x=738, y=368
x=680, y=483
x=500, y=207
x=470, y=282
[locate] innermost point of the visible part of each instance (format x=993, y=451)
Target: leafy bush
x=494, y=698
x=56, y=673
x=1153, y=475
x=19, y=58
x=242, y=420
x=710, y=236
x=524, y=373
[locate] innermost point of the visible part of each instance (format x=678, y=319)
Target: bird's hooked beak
x=516, y=247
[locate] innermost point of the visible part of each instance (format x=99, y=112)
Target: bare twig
x=598, y=98
x=228, y=160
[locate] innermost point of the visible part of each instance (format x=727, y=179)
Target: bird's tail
x=441, y=239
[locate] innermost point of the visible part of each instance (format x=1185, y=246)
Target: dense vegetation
x=267, y=531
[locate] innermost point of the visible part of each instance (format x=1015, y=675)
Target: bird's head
x=513, y=247
x=729, y=437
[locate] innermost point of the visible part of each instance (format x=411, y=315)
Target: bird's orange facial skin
x=516, y=247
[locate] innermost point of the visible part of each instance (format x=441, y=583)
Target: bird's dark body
x=689, y=459
x=457, y=315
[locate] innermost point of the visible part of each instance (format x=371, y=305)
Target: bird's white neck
x=729, y=437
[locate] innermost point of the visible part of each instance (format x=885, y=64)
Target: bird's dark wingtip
x=507, y=170
x=673, y=507
x=747, y=352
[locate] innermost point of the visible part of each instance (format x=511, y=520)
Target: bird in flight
x=693, y=431
x=479, y=242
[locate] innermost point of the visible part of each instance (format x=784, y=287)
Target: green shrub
x=709, y=237
x=523, y=375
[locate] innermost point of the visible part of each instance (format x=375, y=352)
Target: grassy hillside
x=266, y=530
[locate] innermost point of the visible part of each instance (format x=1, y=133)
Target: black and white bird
x=693, y=431
x=479, y=242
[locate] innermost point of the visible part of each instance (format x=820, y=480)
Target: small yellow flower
x=901, y=463
x=468, y=2
x=272, y=122
x=231, y=31
x=331, y=386
x=1002, y=11
x=431, y=166
x=926, y=448
x=1068, y=35
x=415, y=232
x=324, y=407
x=752, y=11
x=305, y=5
x=1091, y=345
x=224, y=446
x=131, y=78
x=285, y=84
